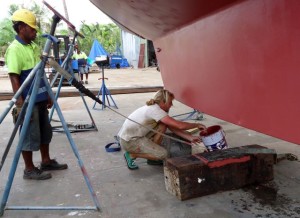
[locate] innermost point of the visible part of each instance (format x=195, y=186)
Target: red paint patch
x=220, y=163
x=210, y=130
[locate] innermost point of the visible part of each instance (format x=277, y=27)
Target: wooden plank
x=75, y=92
x=206, y=173
x=141, y=63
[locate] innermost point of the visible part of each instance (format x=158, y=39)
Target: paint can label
x=214, y=138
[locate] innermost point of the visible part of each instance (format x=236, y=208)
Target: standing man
x=21, y=57
x=81, y=57
x=140, y=142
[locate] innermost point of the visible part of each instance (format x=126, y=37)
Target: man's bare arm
x=15, y=83
x=172, y=123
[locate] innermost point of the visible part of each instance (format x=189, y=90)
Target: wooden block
x=206, y=173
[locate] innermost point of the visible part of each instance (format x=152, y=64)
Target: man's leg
x=44, y=149
x=32, y=172
x=145, y=156
x=81, y=71
x=30, y=144
x=86, y=72
x=149, y=147
x=45, y=138
x=154, y=157
x=48, y=163
x=86, y=77
x=142, y=148
x=158, y=137
x=27, y=156
x=146, y=149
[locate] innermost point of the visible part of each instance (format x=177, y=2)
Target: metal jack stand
x=66, y=65
x=190, y=116
x=103, y=90
x=38, y=75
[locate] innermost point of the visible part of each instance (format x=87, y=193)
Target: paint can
x=214, y=138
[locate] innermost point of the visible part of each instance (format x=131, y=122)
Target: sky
x=78, y=10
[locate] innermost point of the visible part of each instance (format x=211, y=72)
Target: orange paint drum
x=214, y=138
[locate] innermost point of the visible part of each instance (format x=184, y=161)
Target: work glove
x=15, y=113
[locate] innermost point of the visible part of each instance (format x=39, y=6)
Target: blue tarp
x=117, y=61
x=96, y=51
x=124, y=63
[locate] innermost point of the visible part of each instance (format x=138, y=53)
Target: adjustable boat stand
x=105, y=93
x=38, y=74
x=66, y=65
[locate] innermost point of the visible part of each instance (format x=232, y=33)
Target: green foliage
x=12, y=9
x=6, y=36
x=108, y=35
x=8, y=33
x=64, y=32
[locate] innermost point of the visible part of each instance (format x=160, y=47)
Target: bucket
x=214, y=138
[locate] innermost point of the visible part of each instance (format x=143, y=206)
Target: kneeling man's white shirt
x=148, y=116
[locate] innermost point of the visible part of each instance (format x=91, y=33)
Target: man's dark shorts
x=40, y=130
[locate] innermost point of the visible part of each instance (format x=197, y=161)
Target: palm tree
x=108, y=35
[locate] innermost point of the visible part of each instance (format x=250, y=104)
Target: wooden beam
x=75, y=92
x=207, y=173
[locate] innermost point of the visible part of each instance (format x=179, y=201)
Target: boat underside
x=235, y=60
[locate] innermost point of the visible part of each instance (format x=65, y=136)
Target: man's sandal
x=130, y=162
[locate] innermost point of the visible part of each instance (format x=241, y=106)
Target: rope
x=150, y=129
x=86, y=91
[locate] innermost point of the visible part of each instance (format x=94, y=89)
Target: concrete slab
x=140, y=193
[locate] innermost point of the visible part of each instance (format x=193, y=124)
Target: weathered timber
x=74, y=92
x=207, y=173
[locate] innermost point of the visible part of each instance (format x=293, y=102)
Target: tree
x=12, y=8
x=6, y=36
x=108, y=35
x=8, y=33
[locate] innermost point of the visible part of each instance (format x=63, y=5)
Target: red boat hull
x=235, y=60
